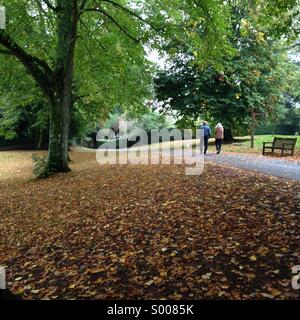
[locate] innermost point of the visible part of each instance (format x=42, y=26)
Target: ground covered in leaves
x=140, y=232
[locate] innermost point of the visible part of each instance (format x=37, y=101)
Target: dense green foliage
x=66, y=65
x=86, y=56
x=258, y=77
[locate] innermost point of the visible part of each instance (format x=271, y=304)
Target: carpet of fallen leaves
x=145, y=232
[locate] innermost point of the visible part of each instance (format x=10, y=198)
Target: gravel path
x=275, y=167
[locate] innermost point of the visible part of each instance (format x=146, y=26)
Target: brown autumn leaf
x=101, y=232
x=274, y=292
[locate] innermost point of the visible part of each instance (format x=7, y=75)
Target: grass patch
x=243, y=144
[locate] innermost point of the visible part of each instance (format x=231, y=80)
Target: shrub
x=40, y=166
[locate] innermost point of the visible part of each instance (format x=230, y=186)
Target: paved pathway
x=276, y=167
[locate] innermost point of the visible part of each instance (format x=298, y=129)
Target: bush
x=40, y=166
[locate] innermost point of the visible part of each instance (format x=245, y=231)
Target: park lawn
x=239, y=145
x=147, y=232
x=243, y=144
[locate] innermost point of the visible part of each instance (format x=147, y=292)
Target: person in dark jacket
x=207, y=134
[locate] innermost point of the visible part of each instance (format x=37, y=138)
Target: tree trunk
x=228, y=135
x=61, y=105
x=252, y=128
x=58, y=139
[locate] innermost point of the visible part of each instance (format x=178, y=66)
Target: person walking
x=219, y=136
x=207, y=134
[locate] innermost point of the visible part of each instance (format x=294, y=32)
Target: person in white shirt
x=219, y=136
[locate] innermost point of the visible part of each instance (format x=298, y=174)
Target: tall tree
x=254, y=78
x=56, y=82
x=42, y=35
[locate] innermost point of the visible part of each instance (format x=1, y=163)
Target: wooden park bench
x=282, y=144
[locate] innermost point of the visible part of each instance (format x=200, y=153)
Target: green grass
x=239, y=145
x=242, y=144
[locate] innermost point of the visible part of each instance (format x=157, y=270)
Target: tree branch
x=293, y=46
x=86, y=27
x=130, y=12
x=40, y=6
x=50, y=6
x=124, y=9
x=114, y=21
x=6, y=52
x=82, y=5
x=37, y=68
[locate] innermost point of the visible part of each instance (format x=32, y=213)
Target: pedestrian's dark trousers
x=218, y=143
x=205, y=143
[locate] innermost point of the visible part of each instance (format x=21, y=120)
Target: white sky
x=153, y=56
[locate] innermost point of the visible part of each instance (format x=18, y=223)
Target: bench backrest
x=291, y=142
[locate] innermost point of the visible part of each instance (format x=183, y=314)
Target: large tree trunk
x=228, y=137
x=61, y=104
x=58, y=139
